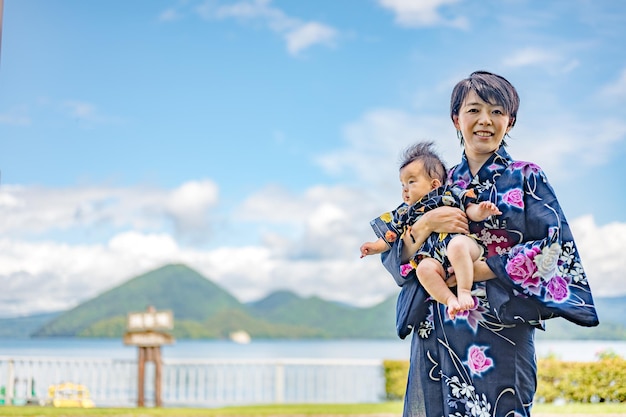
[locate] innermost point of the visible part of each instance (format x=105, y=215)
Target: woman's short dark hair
x=491, y=88
x=423, y=152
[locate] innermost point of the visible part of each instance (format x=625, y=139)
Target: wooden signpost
x=148, y=331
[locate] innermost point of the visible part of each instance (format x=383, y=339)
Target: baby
x=422, y=175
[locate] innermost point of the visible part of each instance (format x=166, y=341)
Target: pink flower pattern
x=521, y=268
x=514, y=197
x=527, y=168
x=406, y=269
x=557, y=288
x=477, y=361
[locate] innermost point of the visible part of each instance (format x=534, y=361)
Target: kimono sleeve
x=411, y=306
x=544, y=270
x=387, y=226
x=392, y=261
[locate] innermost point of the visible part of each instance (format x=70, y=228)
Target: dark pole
x=158, y=402
x=141, y=376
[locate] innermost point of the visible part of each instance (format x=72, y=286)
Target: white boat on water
x=241, y=336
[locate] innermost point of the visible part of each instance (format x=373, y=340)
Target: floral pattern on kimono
x=482, y=363
x=530, y=245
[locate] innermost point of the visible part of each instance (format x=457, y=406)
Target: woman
x=482, y=363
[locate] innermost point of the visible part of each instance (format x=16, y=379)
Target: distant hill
x=337, y=320
x=23, y=327
x=173, y=287
x=202, y=309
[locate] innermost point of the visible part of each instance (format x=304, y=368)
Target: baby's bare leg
x=462, y=252
x=432, y=277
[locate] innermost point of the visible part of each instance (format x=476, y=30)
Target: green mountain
x=202, y=309
x=173, y=287
x=337, y=320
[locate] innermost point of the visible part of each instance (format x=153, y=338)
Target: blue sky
x=254, y=140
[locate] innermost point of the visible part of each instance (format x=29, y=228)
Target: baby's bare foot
x=465, y=299
x=453, y=307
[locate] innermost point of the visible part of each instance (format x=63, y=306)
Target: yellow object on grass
x=68, y=394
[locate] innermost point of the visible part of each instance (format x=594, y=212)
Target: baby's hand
x=373, y=248
x=365, y=249
x=488, y=208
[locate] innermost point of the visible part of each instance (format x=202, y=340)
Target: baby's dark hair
x=423, y=151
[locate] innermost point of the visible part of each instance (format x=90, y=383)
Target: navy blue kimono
x=482, y=362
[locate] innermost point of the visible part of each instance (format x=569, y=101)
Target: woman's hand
x=439, y=220
x=445, y=220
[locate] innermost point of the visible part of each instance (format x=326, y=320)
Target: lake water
x=569, y=350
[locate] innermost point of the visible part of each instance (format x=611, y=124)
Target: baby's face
x=415, y=182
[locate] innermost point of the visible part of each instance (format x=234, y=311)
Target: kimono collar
x=488, y=173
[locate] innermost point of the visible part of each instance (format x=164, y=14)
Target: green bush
x=599, y=381
x=581, y=382
x=396, y=374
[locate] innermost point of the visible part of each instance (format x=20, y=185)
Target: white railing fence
x=26, y=380
x=197, y=383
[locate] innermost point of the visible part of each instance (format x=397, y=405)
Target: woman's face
x=483, y=126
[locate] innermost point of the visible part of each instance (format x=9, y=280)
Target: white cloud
x=529, y=56
x=601, y=249
x=549, y=59
x=298, y=34
x=189, y=207
x=309, y=34
x=156, y=246
x=569, y=139
x=321, y=223
x=40, y=211
x=411, y=13
x=48, y=276
x=374, y=143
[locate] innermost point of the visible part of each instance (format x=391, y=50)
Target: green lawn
x=283, y=410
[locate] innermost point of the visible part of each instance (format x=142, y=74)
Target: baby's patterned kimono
x=392, y=225
x=482, y=362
